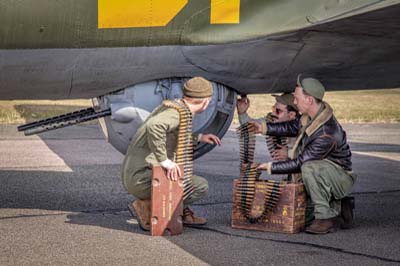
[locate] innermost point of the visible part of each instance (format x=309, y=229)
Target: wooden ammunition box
x=288, y=215
x=166, y=204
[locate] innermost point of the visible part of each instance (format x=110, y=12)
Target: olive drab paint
x=38, y=24
x=86, y=48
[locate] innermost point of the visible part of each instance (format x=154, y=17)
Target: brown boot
x=321, y=226
x=141, y=210
x=347, y=205
x=188, y=218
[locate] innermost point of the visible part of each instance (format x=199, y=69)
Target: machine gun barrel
x=63, y=121
x=56, y=118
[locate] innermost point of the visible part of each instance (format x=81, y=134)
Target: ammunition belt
x=250, y=175
x=184, y=149
x=273, y=141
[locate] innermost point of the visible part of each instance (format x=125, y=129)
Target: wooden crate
x=288, y=215
x=166, y=204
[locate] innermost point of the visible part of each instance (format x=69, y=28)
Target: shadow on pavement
x=95, y=195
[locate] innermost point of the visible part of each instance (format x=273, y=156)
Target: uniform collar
x=321, y=118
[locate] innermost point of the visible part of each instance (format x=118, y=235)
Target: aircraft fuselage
x=88, y=48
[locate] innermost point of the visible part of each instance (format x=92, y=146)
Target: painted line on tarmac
x=339, y=250
x=392, y=156
x=375, y=192
x=111, y=211
x=33, y=215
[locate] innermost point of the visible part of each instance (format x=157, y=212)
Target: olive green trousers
x=139, y=185
x=326, y=184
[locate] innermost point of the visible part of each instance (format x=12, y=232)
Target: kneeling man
x=321, y=155
x=155, y=144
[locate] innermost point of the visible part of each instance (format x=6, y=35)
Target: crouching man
x=321, y=155
x=155, y=144
x=282, y=111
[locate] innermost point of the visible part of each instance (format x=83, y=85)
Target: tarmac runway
x=62, y=203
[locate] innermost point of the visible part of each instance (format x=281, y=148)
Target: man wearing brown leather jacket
x=322, y=158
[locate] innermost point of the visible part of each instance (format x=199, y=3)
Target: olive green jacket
x=154, y=142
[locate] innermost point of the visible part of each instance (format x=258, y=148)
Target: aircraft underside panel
x=361, y=52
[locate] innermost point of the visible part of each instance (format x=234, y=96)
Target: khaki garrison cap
x=198, y=87
x=285, y=98
x=312, y=86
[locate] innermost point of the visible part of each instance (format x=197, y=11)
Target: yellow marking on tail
x=225, y=12
x=158, y=13
x=137, y=13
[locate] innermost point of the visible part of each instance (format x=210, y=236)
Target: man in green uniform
x=155, y=144
x=283, y=110
x=321, y=155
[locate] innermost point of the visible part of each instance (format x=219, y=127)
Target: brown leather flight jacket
x=323, y=139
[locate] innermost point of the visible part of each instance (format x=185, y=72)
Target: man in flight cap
x=282, y=111
x=155, y=144
x=321, y=158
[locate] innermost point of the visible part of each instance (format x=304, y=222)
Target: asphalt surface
x=62, y=203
